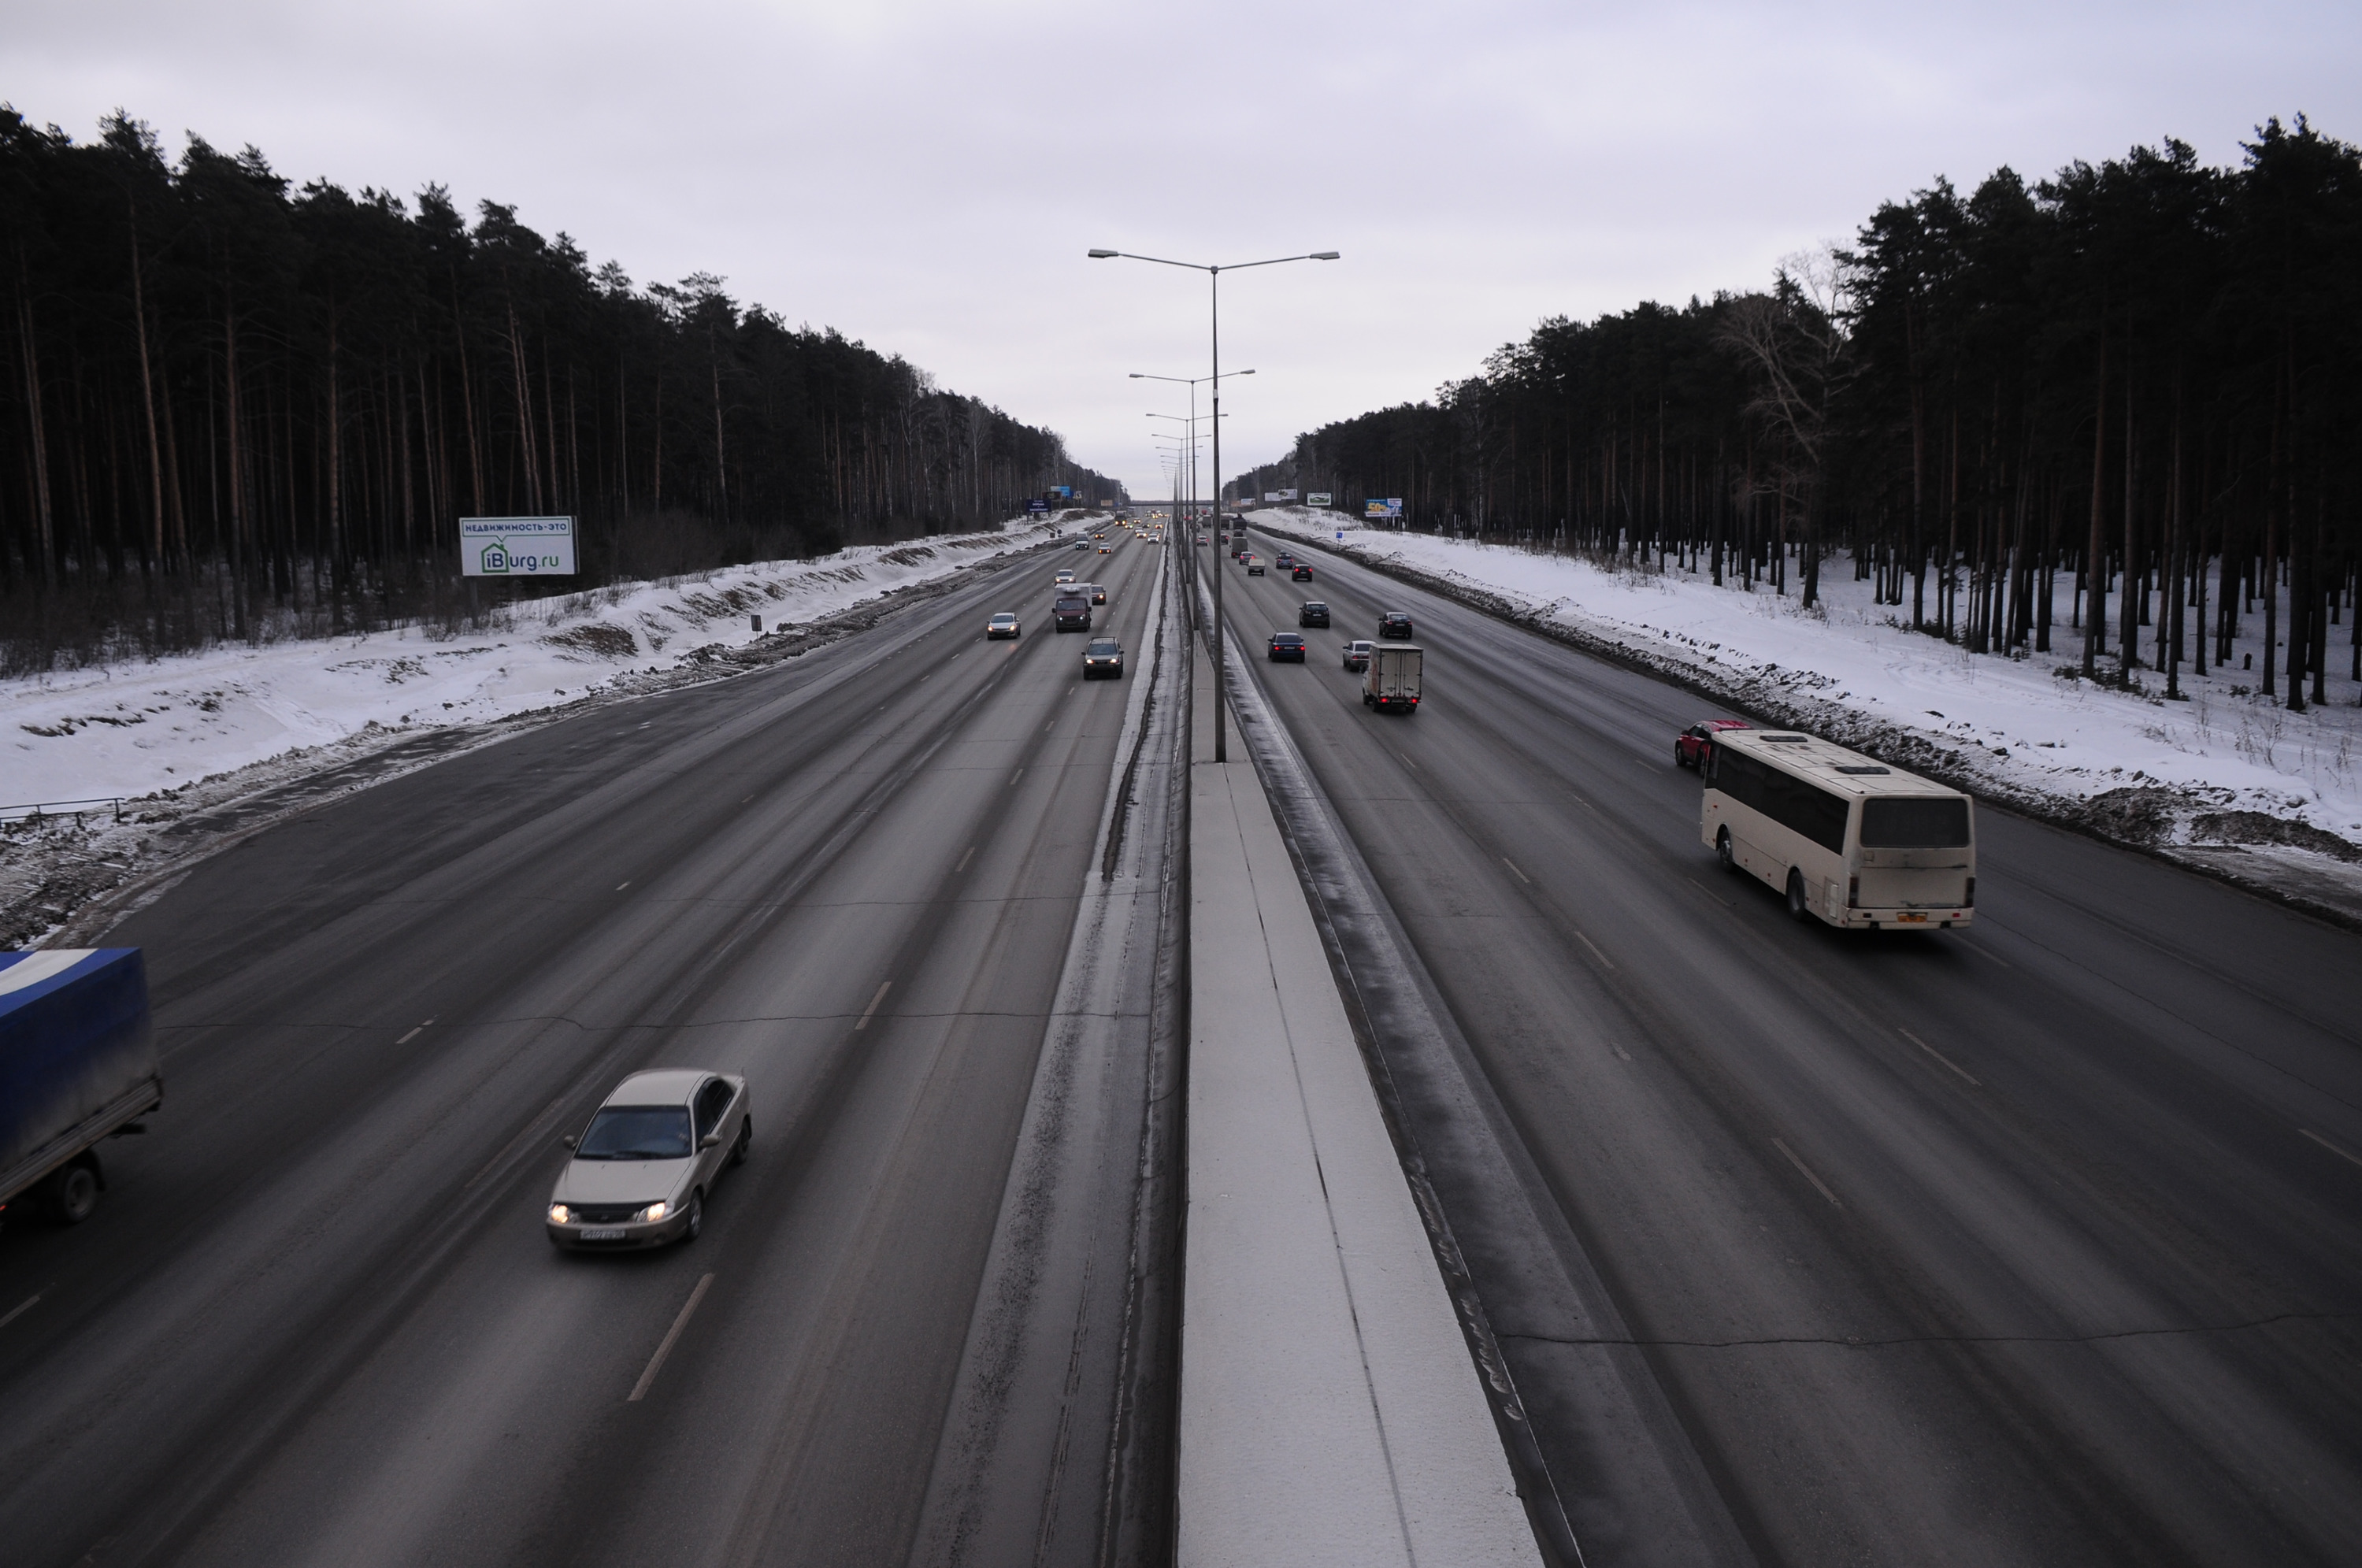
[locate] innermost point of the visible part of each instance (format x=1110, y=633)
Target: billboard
x=1390, y=507
x=1275, y=496
x=1318, y=497
x=516, y=547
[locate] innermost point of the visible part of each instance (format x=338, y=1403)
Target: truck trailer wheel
x=72, y=1194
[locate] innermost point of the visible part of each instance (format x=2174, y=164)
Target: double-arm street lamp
x=1214, y=283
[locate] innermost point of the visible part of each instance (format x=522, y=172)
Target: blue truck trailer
x=77, y=1067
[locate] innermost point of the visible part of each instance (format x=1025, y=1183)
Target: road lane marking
x=864, y=1021
x=1595, y=949
x=1807, y=1172
x=963, y=860
x=411, y=1037
x=621, y=886
x=1709, y=892
x=1520, y=876
x=2341, y=1153
x=1619, y=1050
x=1940, y=1056
x=1015, y=777
x=656, y=1362
x=510, y=1147
x=19, y=1310
x=745, y=801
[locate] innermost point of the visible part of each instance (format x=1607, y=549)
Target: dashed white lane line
x=963, y=860
x=1807, y=1173
x=621, y=886
x=866, y=1013
x=1520, y=876
x=19, y=1310
x=656, y=1362
x=413, y=1034
x=2341, y=1153
x=1605, y=961
x=1940, y=1056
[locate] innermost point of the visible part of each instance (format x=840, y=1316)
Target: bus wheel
x=1722, y=850
x=1798, y=905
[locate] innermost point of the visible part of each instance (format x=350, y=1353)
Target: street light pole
x=1214, y=271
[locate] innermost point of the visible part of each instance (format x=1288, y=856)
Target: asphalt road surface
x=2035, y=1242
x=315, y=1319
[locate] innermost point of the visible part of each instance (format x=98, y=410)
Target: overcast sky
x=926, y=176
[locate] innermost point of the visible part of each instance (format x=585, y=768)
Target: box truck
x=1390, y=684
x=77, y=1067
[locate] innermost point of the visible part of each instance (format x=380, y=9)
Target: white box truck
x=1391, y=683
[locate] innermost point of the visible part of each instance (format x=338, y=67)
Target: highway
x=315, y=1319
x=2035, y=1242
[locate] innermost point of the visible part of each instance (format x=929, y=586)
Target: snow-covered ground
x=2220, y=767
x=138, y=728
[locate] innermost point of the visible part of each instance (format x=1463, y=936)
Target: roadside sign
x=1390, y=507
x=1036, y=506
x=516, y=547
x=1318, y=497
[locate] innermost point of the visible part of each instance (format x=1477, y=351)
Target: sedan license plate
x=1911, y=919
x=607, y=1233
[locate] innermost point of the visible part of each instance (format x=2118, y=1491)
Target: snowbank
x=2224, y=767
x=138, y=728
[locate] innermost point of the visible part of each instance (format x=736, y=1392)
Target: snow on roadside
x=140, y=728
x=2225, y=767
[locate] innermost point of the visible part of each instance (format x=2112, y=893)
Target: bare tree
x=1793, y=340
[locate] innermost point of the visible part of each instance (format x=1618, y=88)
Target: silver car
x=642, y=1169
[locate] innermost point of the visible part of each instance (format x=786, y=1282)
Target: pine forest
x=235, y=409
x=2118, y=403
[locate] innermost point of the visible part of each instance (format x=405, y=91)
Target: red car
x=1690, y=745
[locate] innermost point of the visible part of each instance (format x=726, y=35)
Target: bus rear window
x=1915, y=824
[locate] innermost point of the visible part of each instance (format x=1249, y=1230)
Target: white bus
x=1849, y=839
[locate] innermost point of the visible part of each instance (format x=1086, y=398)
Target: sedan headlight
x=652, y=1213
x=559, y=1213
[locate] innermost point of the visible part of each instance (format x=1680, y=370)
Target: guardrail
x=42, y=811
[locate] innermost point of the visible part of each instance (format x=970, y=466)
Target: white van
x=1849, y=839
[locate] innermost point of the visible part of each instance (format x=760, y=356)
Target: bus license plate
x=602, y=1235
x=1911, y=919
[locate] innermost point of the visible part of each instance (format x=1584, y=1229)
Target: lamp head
x=1101, y=254
x=1316, y=256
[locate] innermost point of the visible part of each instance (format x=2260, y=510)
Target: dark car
x=1285, y=559
x=1103, y=658
x=1287, y=645
x=1098, y=593
x=1357, y=656
x=1314, y=613
x=1393, y=626
x=1073, y=612
x=1691, y=744
x=1300, y=574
